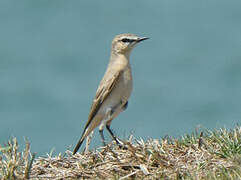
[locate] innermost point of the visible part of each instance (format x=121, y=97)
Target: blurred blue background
x=54, y=53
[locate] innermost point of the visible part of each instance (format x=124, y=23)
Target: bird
x=114, y=89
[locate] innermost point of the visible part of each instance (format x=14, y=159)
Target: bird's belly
x=123, y=90
x=118, y=97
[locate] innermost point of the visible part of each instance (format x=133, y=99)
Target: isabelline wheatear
x=114, y=90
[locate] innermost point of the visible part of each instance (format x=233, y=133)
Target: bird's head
x=124, y=43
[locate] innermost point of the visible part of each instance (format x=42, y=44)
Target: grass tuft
x=201, y=155
x=14, y=164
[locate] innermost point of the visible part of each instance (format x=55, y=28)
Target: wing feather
x=104, y=90
x=102, y=93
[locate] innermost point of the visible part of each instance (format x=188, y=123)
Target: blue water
x=54, y=53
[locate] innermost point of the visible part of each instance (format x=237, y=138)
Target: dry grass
x=206, y=155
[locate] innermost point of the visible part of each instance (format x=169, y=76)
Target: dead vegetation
x=206, y=155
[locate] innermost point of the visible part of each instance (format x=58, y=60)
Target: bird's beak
x=142, y=39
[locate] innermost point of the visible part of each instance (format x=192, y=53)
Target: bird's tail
x=85, y=133
x=90, y=126
x=78, y=145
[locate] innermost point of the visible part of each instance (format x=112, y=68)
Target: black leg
x=102, y=137
x=113, y=136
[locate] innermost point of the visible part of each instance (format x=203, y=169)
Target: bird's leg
x=102, y=136
x=109, y=112
x=118, y=142
x=89, y=137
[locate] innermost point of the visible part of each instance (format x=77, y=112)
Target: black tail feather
x=78, y=146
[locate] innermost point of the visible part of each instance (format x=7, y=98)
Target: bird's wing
x=104, y=90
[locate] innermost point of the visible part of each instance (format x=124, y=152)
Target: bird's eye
x=126, y=40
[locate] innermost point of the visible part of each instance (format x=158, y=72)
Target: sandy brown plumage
x=114, y=90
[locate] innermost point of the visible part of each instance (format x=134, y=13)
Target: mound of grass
x=207, y=155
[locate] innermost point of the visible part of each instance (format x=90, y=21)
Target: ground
x=203, y=154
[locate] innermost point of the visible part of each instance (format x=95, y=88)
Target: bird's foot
x=121, y=144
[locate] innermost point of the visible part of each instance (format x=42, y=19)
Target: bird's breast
x=120, y=93
x=125, y=85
